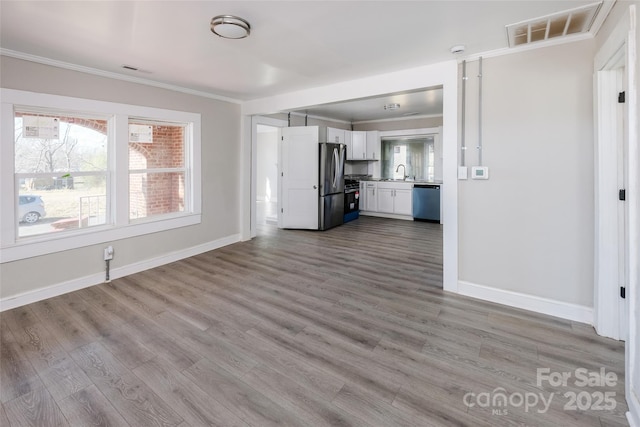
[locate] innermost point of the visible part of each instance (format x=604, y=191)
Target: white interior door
x=633, y=220
x=621, y=48
x=623, y=225
x=299, y=161
x=611, y=241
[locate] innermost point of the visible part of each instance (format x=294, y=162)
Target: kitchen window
x=78, y=172
x=415, y=153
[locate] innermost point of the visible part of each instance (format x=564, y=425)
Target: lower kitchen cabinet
x=402, y=202
x=370, y=197
x=394, y=198
x=385, y=200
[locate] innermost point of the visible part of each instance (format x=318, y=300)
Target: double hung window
x=76, y=172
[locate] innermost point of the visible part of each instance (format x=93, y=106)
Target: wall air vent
x=561, y=24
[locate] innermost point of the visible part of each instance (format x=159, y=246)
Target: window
x=60, y=170
x=81, y=172
x=156, y=168
x=415, y=153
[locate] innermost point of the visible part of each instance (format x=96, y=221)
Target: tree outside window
x=62, y=161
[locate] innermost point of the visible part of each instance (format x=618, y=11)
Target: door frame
x=255, y=121
x=443, y=74
x=624, y=37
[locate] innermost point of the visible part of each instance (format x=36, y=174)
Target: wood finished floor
x=347, y=327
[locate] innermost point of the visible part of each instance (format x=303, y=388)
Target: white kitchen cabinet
x=336, y=135
x=365, y=145
x=403, y=202
x=372, y=145
x=347, y=142
x=395, y=198
x=371, y=199
x=363, y=195
x=385, y=200
x=358, y=145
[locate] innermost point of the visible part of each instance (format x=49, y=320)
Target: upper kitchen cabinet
x=364, y=146
x=358, y=145
x=373, y=145
x=339, y=136
x=347, y=140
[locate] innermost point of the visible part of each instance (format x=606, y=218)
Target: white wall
x=220, y=177
x=529, y=228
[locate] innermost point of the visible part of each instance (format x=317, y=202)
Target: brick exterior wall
x=157, y=193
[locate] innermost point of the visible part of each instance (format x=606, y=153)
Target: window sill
x=46, y=244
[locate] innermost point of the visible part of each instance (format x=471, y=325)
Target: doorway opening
x=266, y=177
x=264, y=174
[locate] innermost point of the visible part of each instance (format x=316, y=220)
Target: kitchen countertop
x=417, y=181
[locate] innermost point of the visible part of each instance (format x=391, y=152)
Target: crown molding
x=396, y=119
x=112, y=75
x=399, y=119
x=311, y=116
x=527, y=47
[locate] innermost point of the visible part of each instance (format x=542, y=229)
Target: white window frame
x=185, y=169
x=13, y=249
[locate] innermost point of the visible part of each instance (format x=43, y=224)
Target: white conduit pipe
x=463, y=147
x=480, y=112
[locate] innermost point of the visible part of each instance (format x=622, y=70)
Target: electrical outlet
x=108, y=253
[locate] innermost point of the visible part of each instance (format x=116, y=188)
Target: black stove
x=353, y=181
x=352, y=196
x=350, y=184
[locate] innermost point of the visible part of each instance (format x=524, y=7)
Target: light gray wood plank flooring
x=347, y=327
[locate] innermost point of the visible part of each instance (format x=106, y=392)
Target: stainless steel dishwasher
x=426, y=202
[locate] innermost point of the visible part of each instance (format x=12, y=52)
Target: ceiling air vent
x=573, y=21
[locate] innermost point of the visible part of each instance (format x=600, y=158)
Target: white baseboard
x=387, y=215
x=633, y=415
x=95, y=279
x=551, y=307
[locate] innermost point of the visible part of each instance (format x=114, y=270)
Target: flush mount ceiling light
x=392, y=106
x=230, y=27
x=457, y=49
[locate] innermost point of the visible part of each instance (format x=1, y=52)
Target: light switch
x=462, y=172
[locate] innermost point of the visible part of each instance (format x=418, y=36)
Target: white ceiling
x=412, y=104
x=293, y=45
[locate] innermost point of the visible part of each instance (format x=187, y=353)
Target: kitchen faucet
x=404, y=171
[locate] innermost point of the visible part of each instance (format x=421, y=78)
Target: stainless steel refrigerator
x=331, y=207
